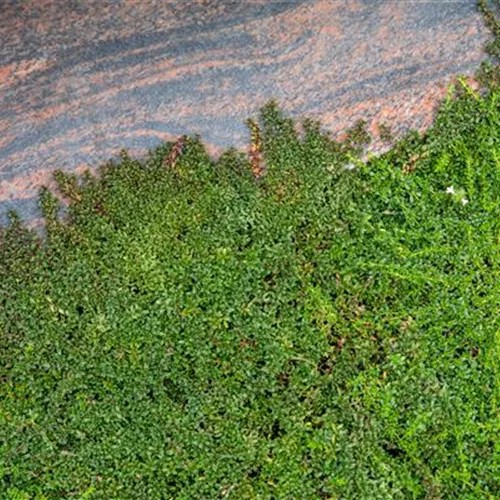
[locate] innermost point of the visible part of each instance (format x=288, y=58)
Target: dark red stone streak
x=80, y=80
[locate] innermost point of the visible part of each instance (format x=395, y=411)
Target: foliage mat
x=327, y=328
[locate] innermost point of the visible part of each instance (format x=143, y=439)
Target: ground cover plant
x=328, y=330
x=292, y=324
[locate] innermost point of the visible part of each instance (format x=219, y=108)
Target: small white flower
x=450, y=190
x=464, y=201
x=349, y=166
x=331, y=169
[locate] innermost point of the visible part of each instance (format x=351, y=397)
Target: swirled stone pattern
x=81, y=79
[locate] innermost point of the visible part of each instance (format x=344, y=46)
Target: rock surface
x=81, y=80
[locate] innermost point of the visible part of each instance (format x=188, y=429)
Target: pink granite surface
x=80, y=80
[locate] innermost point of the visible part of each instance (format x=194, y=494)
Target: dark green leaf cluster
x=188, y=331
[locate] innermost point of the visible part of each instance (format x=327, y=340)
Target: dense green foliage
x=489, y=71
x=188, y=331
